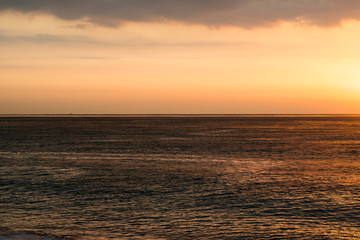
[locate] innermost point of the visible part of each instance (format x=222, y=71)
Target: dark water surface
x=277, y=177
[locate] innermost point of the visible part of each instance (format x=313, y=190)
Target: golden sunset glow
x=50, y=64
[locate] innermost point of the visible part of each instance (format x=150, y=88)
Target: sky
x=180, y=57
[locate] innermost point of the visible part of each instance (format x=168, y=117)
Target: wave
x=26, y=236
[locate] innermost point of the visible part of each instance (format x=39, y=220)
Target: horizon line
x=168, y=114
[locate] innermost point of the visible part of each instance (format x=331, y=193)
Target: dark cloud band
x=243, y=13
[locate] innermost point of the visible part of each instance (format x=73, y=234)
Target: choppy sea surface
x=180, y=177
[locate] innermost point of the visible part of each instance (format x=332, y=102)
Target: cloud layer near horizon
x=243, y=13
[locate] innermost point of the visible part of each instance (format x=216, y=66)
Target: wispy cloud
x=46, y=38
x=57, y=39
x=243, y=13
x=88, y=57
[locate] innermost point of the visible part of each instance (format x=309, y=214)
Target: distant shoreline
x=174, y=115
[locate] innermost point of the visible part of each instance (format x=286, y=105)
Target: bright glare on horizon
x=183, y=57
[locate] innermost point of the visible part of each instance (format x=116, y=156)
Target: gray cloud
x=243, y=13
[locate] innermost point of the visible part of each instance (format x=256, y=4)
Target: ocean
x=179, y=177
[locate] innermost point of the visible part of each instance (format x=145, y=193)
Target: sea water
x=180, y=177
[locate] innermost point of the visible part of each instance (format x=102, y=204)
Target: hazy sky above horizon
x=172, y=56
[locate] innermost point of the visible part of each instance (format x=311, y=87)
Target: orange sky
x=54, y=65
